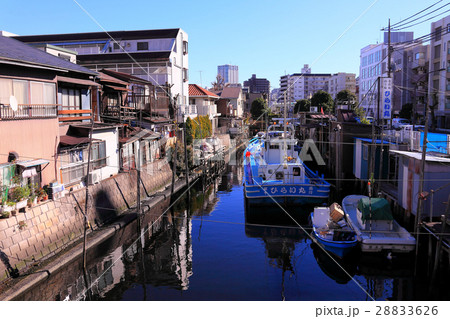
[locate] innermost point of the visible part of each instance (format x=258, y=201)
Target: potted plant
x=5, y=214
x=31, y=201
x=7, y=209
x=42, y=194
x=20, y=196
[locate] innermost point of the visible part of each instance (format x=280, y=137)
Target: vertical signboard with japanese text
x=386, y=98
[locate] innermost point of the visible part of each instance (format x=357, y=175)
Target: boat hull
x=286, y=194
x=399, y=240
x=338, y=248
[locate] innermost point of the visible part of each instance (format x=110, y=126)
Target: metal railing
x=28, y=111
x=404, y=136
x=68, y=113
x=77, y=172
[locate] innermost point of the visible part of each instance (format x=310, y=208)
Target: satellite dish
x=13, y=103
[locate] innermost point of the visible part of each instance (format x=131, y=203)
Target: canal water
x=204, y=248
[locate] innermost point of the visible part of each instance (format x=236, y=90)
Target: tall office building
x=257, y=85
x=230, y=73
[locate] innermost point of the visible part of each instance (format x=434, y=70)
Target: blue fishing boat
x=274, y=172
x=332, y=231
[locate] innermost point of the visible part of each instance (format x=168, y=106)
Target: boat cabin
x=278, y=160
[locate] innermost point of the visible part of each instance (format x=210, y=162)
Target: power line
x=422, y=21
x=398, y=24
x=393, y=25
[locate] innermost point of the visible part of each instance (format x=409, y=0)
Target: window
x=64, y=56
x=185, y=75
x=436, y=84
x=185, y=47
x=142, y=46
x=20, y=91
x=437, y=33
x=43, y=93
x=365, y=151
x=6, y=89
x=437, y=51
x=436, y=66
x=98, y=155
x=419, y=55
x=70, y=99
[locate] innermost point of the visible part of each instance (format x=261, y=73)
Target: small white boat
x=332, y=230
x=376, y=229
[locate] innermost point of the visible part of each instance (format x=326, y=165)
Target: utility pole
x=86, y=222
x=422, y=173
x=389, y=49
x=138, y=171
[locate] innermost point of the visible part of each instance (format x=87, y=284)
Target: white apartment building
x=374, y=64
x=158, y=56
x=439, y=71
x=230, y=73
x=341, y=81
x=300, y=86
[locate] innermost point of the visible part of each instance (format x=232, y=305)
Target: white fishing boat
x=375, y=228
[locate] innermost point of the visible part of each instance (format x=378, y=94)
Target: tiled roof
x=196, y=90
x=230, y=92
x=14, y=51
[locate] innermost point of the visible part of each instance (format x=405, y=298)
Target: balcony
x=67, y=115
x=28, y=111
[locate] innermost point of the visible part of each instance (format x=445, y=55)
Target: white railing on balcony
x=204, y=109
x=28, y=111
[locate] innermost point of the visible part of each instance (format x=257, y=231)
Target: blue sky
x=266, y=38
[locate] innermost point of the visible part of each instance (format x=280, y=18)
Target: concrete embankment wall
x=52, y=225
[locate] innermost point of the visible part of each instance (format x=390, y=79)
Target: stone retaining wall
x=52, y=225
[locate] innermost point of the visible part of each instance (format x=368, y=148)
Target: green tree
x=302, y=106
x=406, y=111
x=258, y=108
x=189, y=131
x=201, y=127
x=345, y=97
x=361, y=113
x=323, y=100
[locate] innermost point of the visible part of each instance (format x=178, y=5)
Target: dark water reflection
x=206, y=248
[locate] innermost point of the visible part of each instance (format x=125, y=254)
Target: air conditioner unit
x=94, y=177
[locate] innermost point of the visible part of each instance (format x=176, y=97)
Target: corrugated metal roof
x=418, y=156
x=123, y=35
x=32, y=163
